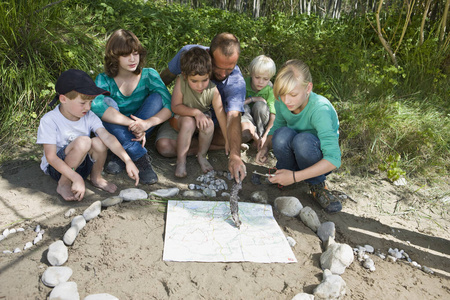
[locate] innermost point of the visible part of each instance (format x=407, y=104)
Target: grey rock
x=225, y=194
x=92, y=211
x=133, y=194
x=259, y=197
x=326, y=230
x=28, y=245
x=57, y=253
x=103, y=296
x=332, y=287
x=427, y=270
x=288, y=206
x=209, y=192
x=337, y=257
x=111, y=201
x=65, y=291
x=369, y=264
x=369, y=249
x=310, y=218
x=165, y=193
x=56, y=275
x=291, y=241
x=38, y=228
x=193, y=194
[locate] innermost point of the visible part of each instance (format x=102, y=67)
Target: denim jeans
x=297, y=151
x=150, y=107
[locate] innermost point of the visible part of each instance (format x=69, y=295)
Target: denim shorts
x=84, y=169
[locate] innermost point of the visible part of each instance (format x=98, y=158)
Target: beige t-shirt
x=194, y=99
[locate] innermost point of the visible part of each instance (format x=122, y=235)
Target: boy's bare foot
x=204, y=164
x=66, y=192
x=180, y=171
x=101, y=183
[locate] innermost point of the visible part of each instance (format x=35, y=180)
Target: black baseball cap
x=76, y=80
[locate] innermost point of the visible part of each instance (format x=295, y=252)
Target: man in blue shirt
x=224, y=50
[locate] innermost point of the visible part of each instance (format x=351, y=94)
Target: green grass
x=383, y=110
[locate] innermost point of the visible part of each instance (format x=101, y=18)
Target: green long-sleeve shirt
x=319, y=118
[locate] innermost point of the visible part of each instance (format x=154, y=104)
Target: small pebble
x=191, y=186
x=427, y=270
x=259, y=197
x=28, y=245
x=69, y=213
x=369, y=264
x=37, y=239
x=20, y=229
x=12, y=231
x=38, y=228
x=209, y=192
x=6, y=232
x=369, y=249
x=391, y=258
x=78, y=222
x=193, y=194
x=310, y=218
x=2, y=237
x=291, y=241
x=225, y=194
x=111, y=201
x=70, y=236
x=17, y=250
x=7, y=251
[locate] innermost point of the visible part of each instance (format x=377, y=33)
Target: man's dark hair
x=227, y=43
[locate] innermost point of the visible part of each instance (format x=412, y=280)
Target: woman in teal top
x=139, y=101
x=304, y=136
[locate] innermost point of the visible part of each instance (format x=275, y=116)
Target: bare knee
x=81, y=144
x=166, y=147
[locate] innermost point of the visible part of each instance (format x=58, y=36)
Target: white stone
x=392, y=258
x=2, y=237
x=78, y=222
x=92, y=211
x=332, y=287
x=209, y=192
x=291, y=241
x=427, y=270
x=70, y=213
x=310, y=218
x=12, y=231
x=57, y=253
x=193, y=194
x=369, y=249
x=20, y=229
x=303, y=296
x=38, y=228
x=7, y=251
x=70, y=236
x=6, y=232
x=65, y=291
x=337, y=257
x=56, y=275
x=133, y=194
x=326, y=230
x=28, y=245
x=165, y=193
x=17, y=250
x=103, y=296
x=400, y=181
x=369, y=264
x=288, y=206
x=37, y=239
x=114, y=200
x=225, y=194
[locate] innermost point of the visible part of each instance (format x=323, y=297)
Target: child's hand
x=78, y=188
x=201, y=121
x=261, y=142
x=140, y=137
x=261, y=156
x=139, y=125
x=132, y=171
x=282, y=177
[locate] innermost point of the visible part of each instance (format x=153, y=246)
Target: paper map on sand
x=204, y=231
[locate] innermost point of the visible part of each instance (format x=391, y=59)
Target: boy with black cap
x=70, y=154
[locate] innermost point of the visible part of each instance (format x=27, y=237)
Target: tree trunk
x=256, y=7
x=422, y=25
x=444, y=21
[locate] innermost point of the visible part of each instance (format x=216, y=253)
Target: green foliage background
x=383, y=110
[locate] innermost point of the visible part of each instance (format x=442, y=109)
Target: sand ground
x=120, y=252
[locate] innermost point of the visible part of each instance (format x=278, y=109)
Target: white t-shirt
x=55, y=129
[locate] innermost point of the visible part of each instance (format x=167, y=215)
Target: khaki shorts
x=166, y=131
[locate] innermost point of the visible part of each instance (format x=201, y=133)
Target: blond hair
x=292, y=73
x=262, y=64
